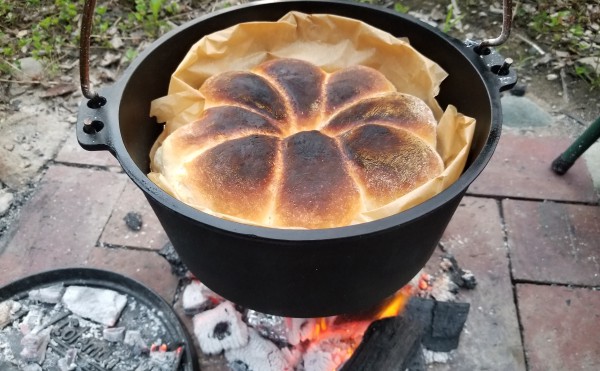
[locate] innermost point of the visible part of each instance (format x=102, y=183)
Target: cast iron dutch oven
x=298, y=273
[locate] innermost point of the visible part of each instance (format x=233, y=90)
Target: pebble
x=551, y=76
x=6, y=200
x=31, y=67
x=9, y=147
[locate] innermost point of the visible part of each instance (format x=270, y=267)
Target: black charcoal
x=133, y=221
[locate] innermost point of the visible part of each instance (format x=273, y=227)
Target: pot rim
x=293, y=235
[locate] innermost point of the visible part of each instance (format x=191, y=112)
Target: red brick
x=150, y=236
x=72, y=153
x=560, y=327
x=520, y=167
x=554, y=242
x=147, y=267
x=490, y=340
x=64, y=218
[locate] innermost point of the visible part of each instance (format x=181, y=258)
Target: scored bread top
x=289, y=145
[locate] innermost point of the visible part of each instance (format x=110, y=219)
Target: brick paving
x=525, y=233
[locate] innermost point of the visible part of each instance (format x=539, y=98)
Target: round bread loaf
x=288, y=145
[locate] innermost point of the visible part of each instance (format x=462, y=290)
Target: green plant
x=450, y=20
x=401, y=8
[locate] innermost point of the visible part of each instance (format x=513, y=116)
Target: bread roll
x=289, y=145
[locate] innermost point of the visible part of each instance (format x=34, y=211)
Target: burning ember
x=266, y=342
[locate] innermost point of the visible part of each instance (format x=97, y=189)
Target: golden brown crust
x=351, y=84
x=234, y=177
x=394, y=109
x=389, y=162
x=302, y=83
x=316, y=191
x=246, y=89
x=291, y=146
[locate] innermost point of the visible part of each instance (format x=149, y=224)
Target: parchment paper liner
x=330, y=42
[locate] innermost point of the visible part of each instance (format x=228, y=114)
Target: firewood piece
x=448, y=321
x=388, y=344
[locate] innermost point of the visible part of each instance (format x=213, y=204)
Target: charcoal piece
x=459, y=276
x=448, y=321
x=134, y=339
x=220, y=329
x=67, y=363
x=417, y=361
x=51, y=294
x=177, y=267
x=113, y=334
x=259, y=354
x=133, y=221
x=7, y=366
x=34, y=346
x=388, y=344
x=300, y=329
x=99, y=305
x=197, y=297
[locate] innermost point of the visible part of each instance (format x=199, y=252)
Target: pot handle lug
x=92, y=132
x=498, y=65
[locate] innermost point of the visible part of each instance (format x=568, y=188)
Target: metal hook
x=96, y=101
x=506, y=25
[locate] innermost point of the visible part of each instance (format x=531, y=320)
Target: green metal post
x=564, y=162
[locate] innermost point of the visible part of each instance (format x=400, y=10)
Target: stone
x=99, y=305
x=592, y=64
x=522, y=112
x=31, y=68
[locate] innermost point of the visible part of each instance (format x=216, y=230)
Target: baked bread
x=288, y=145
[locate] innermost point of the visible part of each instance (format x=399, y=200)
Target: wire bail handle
x=95, y=100
x=507, y=14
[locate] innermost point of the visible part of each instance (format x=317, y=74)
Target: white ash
x=443, y=289
x=432, y=357
x=99, y=305
x=329, y=352
x=319, y=360
x=258, y=354
x=220, y=329
x=32, y=367
x=31, y=321
x=6, y=313
x=113, y=334
x=34, y=346
x=197, y=297
x=51, y=294
x=134, y=339
x=300, y=329
x=68, y=363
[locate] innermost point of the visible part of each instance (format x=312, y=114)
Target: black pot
x=299, y=273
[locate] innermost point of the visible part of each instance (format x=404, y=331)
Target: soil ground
x=38, y=111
